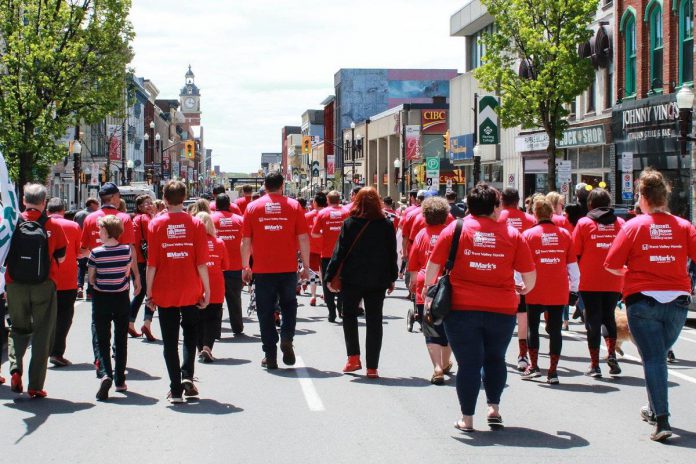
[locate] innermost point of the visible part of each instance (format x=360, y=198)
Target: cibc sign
x=434, y=121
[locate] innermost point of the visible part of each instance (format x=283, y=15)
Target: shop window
x=686, y=41
x=656, y=42
x=628, y=27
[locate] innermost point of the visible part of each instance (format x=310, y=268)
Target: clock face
x=190, y=103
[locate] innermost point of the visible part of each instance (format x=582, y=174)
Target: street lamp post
x=77, y=152
x=685, y=103
x=397, y=169
x=477, y=164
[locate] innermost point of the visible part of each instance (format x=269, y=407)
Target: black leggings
x=553, y=326
x=599, y=311
x=374, y=304
x=209, y=325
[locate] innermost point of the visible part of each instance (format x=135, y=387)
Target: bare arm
x=617, y=272
x=529, y=281
x=304, y=251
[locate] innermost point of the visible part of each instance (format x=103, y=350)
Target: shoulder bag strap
x=454, y=246
x=340, y=267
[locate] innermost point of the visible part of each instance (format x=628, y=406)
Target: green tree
x=542, y=35
x=61, y=61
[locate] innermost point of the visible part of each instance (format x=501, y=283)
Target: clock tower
x=190, y=99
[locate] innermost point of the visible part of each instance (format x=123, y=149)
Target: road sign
x=627, y=186
x=432, y=164
x=511, y=179
x=627, y=162
x=565, y=188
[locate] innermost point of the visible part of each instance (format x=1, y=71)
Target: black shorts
x=522, y=307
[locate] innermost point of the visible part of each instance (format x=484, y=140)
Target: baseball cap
x=108, y=188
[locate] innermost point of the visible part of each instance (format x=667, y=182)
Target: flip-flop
x=495, y=422
x=437, y=379
x=448, y=370
x=461, y=428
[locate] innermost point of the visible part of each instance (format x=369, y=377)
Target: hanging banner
x=113, y=136
x=330, y=165
x=488, y=121
x=10, y=211
x=413, y=136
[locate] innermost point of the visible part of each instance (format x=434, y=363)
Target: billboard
x=462, y=147
x=413, y=138
x=434, y=121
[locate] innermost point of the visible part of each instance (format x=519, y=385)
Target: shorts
x=315, y=262
x=522, y=306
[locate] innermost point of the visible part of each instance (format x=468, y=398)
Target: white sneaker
x=522, y=363
x=175, y=399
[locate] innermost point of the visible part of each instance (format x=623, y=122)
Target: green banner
x=488, y=121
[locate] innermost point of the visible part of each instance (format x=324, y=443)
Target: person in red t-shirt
x=327, y=228
x=243, y=202
x=484, y=299
x=211, y=317
x=141, y=223
x=556, y=266
x=229, y=230
x=178, y=284
x=217, y=190
x=436, y=211
x=315, y=245
x=652, y=251
x=31, y=305
x=390, y=212
x=599, y=289
x=274, y=225
x=560, y=219
x=406, y=222
x=521, y=221
x=66, y=281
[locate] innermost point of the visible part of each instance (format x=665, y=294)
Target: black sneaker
x=613, y=364
x=662, y=430
x=671, y=358
x=269, y=364
x=189, y=388
x=288, y=352
x=552, y=378
x=594, y=371
x=647, y=415
x=531, y=373
x=104, y=386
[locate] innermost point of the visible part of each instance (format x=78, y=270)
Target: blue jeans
x=269, y=289
x=479, y=340
x=655, y=328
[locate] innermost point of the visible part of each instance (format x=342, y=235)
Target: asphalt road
x=314, y=413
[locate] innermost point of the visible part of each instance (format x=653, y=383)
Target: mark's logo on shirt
x=177, y=254
x=550, y=260
x=662, y=259
x=273, y=228
x=482, y=266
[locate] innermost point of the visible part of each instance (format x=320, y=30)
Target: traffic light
x=306, y=144
x=446, y=142
x=419, y=174
x=190, y=147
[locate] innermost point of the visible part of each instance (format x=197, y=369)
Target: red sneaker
x=353, y=364
x=37, y=393
x=372, y=374
x=312, y=302
x=16, y=383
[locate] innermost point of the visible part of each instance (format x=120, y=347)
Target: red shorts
x=315, y=262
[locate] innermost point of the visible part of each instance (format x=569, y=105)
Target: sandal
x=448, y=370
x=437, y=379
x=462, y=428
x=495, y=422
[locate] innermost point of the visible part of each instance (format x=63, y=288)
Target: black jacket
x=372, y=263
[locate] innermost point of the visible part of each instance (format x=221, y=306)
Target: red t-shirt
x=517, y=219
x=655, y=248
x=141, y=222
x=90, y=229
x=393, y=217
x=65, y=275
x=177, y=245
x=229, y=230
x=420, y=253
x=419, y=224
x=314, y=243
x=592, y=241
x=217, y=262
x=57, y=245
x=407, y=210
x=328, y=224
x=273, y=222
x=483, y=275
x=407, y=222
x=552, y=249
x=562, y=221
x=242, y=203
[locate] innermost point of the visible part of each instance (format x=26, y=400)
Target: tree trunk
x=24, y=176
x=551, y=157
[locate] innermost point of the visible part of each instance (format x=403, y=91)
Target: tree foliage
x=543, y=36
x=61, y=61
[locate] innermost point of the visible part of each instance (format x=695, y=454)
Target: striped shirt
x=112, y=264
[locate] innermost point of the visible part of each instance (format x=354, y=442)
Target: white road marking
x=310, y=393
x=671, y=371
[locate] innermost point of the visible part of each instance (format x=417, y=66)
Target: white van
x=130, y=192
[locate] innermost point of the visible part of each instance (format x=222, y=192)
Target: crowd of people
x=507, y=267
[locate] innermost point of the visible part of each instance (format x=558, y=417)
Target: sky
x=260, y=64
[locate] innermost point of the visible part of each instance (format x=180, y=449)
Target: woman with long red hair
x=365, y=260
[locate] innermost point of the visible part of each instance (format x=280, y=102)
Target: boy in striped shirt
x=109, y=275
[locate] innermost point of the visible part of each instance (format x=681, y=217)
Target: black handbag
x=440, y=294
x=143, y=242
